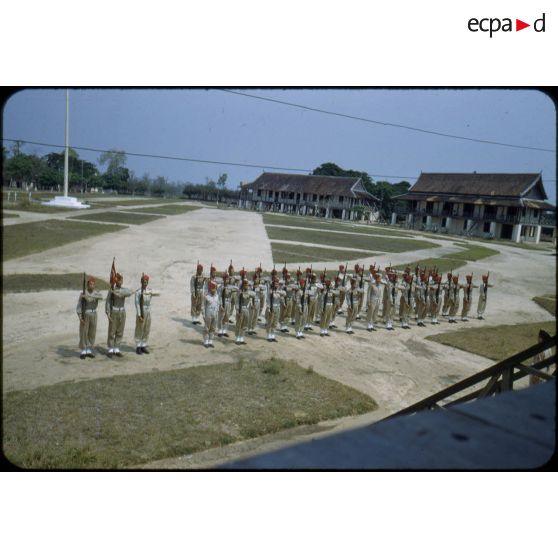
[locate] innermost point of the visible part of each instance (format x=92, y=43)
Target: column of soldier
x=302, y=300
x=278, y=301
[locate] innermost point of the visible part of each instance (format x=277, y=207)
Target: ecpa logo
x=492, y=25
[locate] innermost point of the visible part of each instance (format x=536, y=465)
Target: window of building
x=444, y=222
x=314, y=197
x=259, y=193
x=429, y=207
x=448, y=206
x=535, y=213
x=465, y=224
x=486, y=226
x=424, y=220
x=341, y=199
x=291, y=195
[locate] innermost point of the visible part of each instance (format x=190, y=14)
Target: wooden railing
x=501, y=377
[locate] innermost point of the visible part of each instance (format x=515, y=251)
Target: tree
x=117, y=175
x=222, y=180
x=114, y=160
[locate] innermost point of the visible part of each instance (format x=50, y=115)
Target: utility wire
x=190, y=160
x=379, y=122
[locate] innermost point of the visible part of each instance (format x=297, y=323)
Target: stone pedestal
x=66, y=201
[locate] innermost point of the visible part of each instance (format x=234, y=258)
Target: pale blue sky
x=212, y=124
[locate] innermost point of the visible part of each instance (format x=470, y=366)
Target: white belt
x=93, y=311
x=117, y=309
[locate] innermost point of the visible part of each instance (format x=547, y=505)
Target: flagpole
x=67, y=136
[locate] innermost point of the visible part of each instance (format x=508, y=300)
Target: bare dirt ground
x=40, y=330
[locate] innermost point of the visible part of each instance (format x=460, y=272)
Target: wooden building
x=322, y=196
x=504, y=206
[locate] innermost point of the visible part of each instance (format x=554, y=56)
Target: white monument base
x=66, y=201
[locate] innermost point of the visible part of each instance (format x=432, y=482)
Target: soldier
x=353, y=297
x=446, y=288
x=483, y=292
x=361, y=288
x=211, y=309
x=87, y=314
x=312, y=289
x=143, y=315
x=319, y=306
x=421, y=299
x=337, y=304
x=197, y=284
x=287, y=308
x=467, y=297
x=327, y=301
x=373, y=301
x=453, y=299
x=405, y=301
x=243, y=301
x=275, y=301
x=435, y=297
x=261, y=293
x=116, y=313
x=342, y=277
x=301, y=301
x=255, y=309
x=389, y=299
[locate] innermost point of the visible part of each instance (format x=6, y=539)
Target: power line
x=206, y=161
x=187, y=159
x=381, y=123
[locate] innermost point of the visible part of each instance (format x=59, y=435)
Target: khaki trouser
x=404, y=310
x=466, y=307
x=253, y=315
x=453, y=308
x=141, y=333
x=372, y=310
x=422, y=308
x=286, y=311
x=116, y=329
x=351, y=315
x=87, y=331
x=435, y=308
x=210, y=321
x=301, y=316
x=311, y=311
x=271, y=317
x=360, y=305
x=389, y=310
x=341, y=300
x=196, y=302
x=481, y=307
x=241, y=321
x=445, y=307
x=223, y=316
x=325, y=318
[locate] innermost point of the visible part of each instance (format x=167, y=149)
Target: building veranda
x=502, y=206
x=320, y=196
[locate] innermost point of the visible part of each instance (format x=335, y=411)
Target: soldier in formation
x=142, y=300
x=211, y=309
x=197, y=284
x=483, y=292
x=116, y=313
x=87, y=313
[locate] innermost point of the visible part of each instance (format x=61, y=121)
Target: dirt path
x=395, y=368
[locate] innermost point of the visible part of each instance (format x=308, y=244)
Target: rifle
x=112, y=282
x=409, y=293
x=303, y=293
x=284, y=272
x=83, y=299
x=141, y=296
x=361, y=276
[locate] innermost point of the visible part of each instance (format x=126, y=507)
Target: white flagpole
x=66, y=143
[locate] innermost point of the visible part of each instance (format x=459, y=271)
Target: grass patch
x=453, y=261
x=119, y=217
x=109, y=202
x=352, y=241
x=34, y=207
x=7, y=215
x=29, y=238
x=128, y=420
x=496, y=343
x=318, y=223
x=167, y=209
x=294, y=253
x=33, y=282
x=548, y=302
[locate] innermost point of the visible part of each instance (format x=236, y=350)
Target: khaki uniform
x=342, y=290
x=287, y=308
x=360, y=283
x=116, y=312
x=226, y=295
x=300, y=305
x=435, y=297
x=481, y=307
x=243, y=301
x=88, y=325
x=420, y=302
x=319, y=302
x=197, y=291
x=467, y=301
x=445, y=307
x=211, y=308
x=405, y=303
x=453, y=306
x=256, y=308
x=275, y=302
x=141, y=333
x=354, y=297
x=327, y=301
x=373, y=304
x=389, y=302
x=312, y=291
